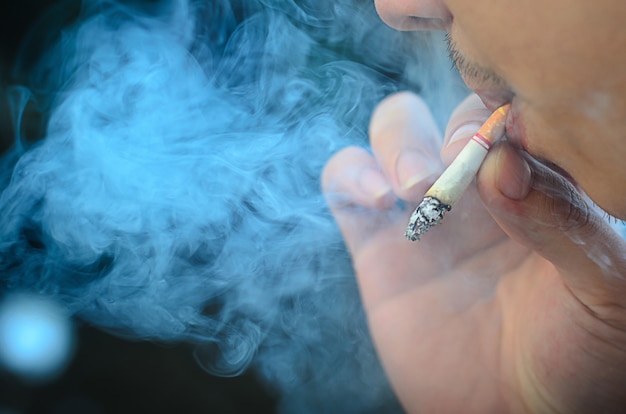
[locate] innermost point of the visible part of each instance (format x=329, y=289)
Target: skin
x=564, y=65
x=517, y=302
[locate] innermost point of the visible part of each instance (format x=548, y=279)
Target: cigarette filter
x=451, y=185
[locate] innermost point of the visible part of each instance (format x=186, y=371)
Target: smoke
x=175, y=196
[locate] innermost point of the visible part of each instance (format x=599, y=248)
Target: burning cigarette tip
x=429, y=213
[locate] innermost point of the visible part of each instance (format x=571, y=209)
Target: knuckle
x=576, y=214
x=567, y=209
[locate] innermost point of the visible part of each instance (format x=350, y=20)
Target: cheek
x=542, y=133
x=584, y=151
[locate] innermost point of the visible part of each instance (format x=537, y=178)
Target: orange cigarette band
x=451, y=185
x=493, y=127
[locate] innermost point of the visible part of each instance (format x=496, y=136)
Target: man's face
x=562, y=63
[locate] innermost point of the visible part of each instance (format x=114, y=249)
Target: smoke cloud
x=175, y=196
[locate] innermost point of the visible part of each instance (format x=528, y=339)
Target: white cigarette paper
x=451, y=185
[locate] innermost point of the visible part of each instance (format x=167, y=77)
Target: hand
x=515, y=303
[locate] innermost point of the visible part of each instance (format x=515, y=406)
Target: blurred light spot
x=36, y=337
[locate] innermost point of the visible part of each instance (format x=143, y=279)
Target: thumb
x=542, y=210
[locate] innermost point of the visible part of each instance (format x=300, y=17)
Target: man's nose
x=414, y=14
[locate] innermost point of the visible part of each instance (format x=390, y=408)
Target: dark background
x=108, y=374
x=111, y=375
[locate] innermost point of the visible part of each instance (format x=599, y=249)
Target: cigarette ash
x=175, y=196
x=427, y=214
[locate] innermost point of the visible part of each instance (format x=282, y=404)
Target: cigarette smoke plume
x=175, y=196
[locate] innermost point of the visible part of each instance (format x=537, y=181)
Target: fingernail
x=514, y=174
x=374, y=183
x=464, y=132
x=413, y=168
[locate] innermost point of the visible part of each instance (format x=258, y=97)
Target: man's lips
x=495, y=98
x=493, y=102
x=514, y=129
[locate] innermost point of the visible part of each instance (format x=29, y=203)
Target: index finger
x=465, y=120
x=406, y=142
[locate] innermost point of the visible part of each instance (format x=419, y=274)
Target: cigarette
x=450, y=186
